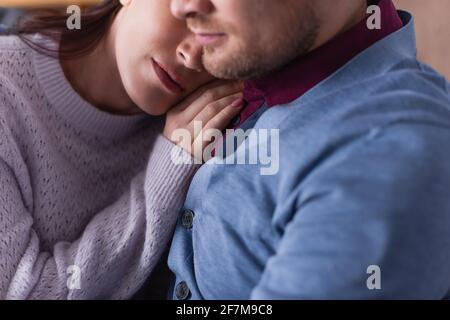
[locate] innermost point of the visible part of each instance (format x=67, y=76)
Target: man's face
x=249, y=38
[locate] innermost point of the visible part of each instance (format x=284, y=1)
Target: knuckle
x=209, y=95
x=212, y=107
x=209, y=111
x=175, y=124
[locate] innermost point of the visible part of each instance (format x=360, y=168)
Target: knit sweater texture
x=88, y=199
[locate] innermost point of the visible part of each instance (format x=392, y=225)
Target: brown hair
x=52, y=24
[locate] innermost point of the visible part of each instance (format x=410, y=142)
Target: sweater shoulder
x=15, y=57
x=17, y=82
x=17, y=72
x=12, y=43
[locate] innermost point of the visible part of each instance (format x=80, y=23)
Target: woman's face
x=158, y=58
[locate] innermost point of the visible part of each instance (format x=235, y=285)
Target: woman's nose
x=184, y=8
x=190, y=53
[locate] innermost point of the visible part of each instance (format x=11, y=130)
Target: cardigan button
x=182, y=291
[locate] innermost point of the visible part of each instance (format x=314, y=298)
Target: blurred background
x=432, y=20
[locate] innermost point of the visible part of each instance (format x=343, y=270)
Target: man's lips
x=166, y=78
x=208, y=38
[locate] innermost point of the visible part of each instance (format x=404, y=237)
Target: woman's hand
x=213, y=107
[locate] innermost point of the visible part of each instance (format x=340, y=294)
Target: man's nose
x=181, y=9
x=190, y=53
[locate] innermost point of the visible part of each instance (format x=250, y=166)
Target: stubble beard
x=248, y=61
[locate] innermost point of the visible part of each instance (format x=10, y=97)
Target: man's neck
x=340, y=22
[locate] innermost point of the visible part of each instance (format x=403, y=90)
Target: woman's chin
x=153, y=110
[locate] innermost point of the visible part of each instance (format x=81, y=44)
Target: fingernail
x=237, y=103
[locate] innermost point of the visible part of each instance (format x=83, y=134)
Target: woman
x=89, y=193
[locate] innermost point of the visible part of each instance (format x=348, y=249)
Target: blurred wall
x=432, y=21
x=43, y=3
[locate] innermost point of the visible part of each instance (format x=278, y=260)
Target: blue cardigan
x=360, y=206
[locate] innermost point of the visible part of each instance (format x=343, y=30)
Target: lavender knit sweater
x=88, y=200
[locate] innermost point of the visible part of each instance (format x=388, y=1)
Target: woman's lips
x=166, y=79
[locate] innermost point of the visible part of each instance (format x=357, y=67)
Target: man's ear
x=125, y=2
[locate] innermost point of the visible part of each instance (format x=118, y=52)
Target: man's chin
x=219, y=68
x=232, y=67
x=221, y=64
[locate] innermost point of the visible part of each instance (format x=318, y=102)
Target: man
x=360, y=206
